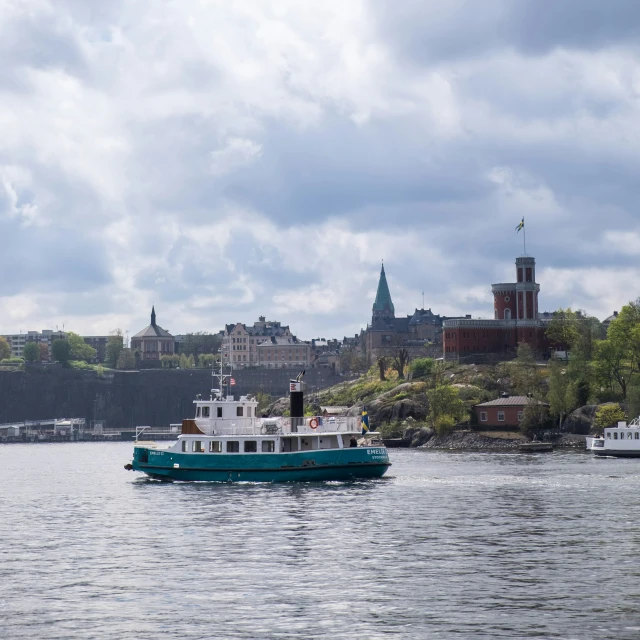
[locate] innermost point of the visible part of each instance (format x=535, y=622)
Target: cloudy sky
x=224, y=160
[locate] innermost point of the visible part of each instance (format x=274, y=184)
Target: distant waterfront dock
x=75, y=430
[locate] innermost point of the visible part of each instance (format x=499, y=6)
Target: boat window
x=219, y=412
x=238, y=411
x=637, y=435
x=198, y=412
x=629, y=436
x=608, y=434
x=615, y=435
x=248, y=412
x=268, y=446
x=184, y=445
x=197, y=446
x=250, y=446
x=233, y=446
x=215, y=446
x=205, y=412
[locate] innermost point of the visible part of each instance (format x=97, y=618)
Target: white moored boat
x=620, y=441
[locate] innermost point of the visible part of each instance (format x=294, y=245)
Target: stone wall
x=155, y=397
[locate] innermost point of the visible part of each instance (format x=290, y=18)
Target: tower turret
x=383, y=306
x=526, y=288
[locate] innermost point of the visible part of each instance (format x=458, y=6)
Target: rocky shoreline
x=471, y=441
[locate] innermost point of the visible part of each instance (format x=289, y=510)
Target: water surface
x=448, y=545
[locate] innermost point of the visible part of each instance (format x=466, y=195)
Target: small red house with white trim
x=507, y=411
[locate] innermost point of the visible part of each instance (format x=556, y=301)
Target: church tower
x=383, y=307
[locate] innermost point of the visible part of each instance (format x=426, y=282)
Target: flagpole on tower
x=524, y=238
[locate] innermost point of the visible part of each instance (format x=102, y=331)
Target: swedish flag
x=521, y=225
x=365, y=421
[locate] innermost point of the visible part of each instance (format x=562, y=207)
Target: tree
x=114, y=346
x=612, y=364
x=80, y=350
x=31, y=352
x=43, y=348
x=61, y=351
x=382, y=367
x=562, y=392
x=535, y=416
x=400, y=360
x=5, y=349
x=201, y=342
x=421, y=367
x=633, y=401
x=191, y=361
x=526, y=374
x=446, y=408
x=184, y=361
x=206, y=360
x=608, y=415
x=563, y=329
x=126, y=360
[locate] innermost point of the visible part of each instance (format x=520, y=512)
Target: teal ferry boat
x=226, y=441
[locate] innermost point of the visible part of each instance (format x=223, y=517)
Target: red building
x=516, y=320
x=503, y=412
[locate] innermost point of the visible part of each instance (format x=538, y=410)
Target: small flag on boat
x=521, y=225
x=232, y=382
x=365, y=421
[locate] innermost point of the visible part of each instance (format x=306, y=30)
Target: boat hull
x=616, y=453
x=312, y=466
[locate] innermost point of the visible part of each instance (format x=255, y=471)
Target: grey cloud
x=436, y=31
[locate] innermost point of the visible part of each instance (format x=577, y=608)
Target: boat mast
x=222, y=376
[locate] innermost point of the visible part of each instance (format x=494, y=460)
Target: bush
x=608, y=415
x=421, y=367
x=391, y=430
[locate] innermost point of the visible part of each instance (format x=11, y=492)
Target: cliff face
x=126, y=399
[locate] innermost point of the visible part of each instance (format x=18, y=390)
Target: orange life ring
x=313, y=423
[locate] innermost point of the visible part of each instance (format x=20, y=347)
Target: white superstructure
x=622, y=440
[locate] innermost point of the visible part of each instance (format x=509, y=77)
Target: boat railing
x=283, y=426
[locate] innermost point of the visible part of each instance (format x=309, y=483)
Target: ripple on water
x=447, y=546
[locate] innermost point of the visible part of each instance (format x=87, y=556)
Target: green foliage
x=170, y=361
x=350, y=393
x=422, y=367
x=100, y=371
x=126, y=360
x=608, y=415
x=184, y=361
x=583, y=392
x=446, y=408
x=633, y=401
x=618, y=357
x=264, y=400
x=5, y=349
x=391, y=430
x=61, y=351
x=562, y=392
x=206, y=360
x=81, y=364
x=195, y=344
x=31, y=352
x=535, y=417
x=526, y=374
x=115, y=344
x=80, y=350
x=563, y=329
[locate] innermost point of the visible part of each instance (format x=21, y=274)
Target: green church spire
x=383, y=305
